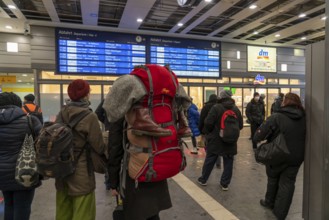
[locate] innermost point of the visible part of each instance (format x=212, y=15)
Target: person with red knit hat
x=75, y=196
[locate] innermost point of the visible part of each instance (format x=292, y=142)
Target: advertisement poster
x=261, y=59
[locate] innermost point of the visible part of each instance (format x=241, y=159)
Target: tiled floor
x=191, y=201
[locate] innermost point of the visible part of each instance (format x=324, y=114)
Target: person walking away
x=75, y=194
x=204, y=113
x=216, y=145
x=13, y=128
x=193, y=121
x=31, y=108
x=289, y=121
x=255, y=113
x=276, y=106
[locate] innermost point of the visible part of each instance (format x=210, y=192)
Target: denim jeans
x=18, y=204
x=209, y=165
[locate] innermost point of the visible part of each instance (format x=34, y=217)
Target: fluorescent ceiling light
x=228, y=64
x=303, y=38
x=24, y=75
x=277, y=35
x=9, y=27
x=19, y=80
x=207, y=0
x=180, y=24
x=12, y=6
x=302, y=15
x=255, y=32
x=12, y=47
x=324, y=18
x=253, y=6
x=139, y=20
x=238, y=55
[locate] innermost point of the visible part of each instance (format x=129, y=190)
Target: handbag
x=26, y=172
x=273, y=153
x=118, y=211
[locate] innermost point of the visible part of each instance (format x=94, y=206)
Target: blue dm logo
x=259, y=80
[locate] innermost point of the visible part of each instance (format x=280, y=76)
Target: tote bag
x=273, y=153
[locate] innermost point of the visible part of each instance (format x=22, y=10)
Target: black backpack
x=55, y=149
x=229, y=127
x=36, y=112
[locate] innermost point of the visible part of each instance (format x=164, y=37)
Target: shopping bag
x=201, y=142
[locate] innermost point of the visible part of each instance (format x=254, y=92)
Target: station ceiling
x=272, y=22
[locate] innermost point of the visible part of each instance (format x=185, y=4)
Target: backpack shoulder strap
x=78, y=118
x=36, y=110
x=26, y=109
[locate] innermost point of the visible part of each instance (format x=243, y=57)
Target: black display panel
x=83, y=52
x=98, y=53
x=194, y=58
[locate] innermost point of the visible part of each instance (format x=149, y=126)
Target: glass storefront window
x=208, y=91
x=248, y=94
x=294, y=81
x=248, y=80
x=296, y=91
x=272, y=81
x=285, y=90
x=186, y=89
x=223, y=80
x=19, y=83
x=237, y=96
x=283, y=81
x=182, y=80
x=196, y=94
x=50, y=101
x=209, y=80
x=195, y=80
x=236, y=80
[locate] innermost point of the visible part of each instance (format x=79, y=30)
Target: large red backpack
x=153, y=159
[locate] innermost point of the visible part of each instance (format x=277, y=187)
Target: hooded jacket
x=215, y=144
x=205, y=110
x=255, y=112
x=81, y=182
x=291, y=122
x=276, y=105
x=193, y=119
x=13, y=128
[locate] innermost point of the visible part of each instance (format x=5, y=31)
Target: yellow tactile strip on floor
x=210, y=205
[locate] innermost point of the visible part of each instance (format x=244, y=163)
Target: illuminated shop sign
x=259, y=80
x=261, y=59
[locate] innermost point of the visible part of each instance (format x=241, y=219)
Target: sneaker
x=266, y=204
x=202, y=182
x=224, y=188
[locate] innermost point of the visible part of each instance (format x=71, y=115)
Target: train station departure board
x=106, y=53
x=98, y=53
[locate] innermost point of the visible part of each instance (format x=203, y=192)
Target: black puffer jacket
x=255, y=112
x=205, y=110
x=215, y=144
x=13, y=127
x=291, y=122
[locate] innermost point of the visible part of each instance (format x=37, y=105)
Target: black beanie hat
x=256, y=94
x=9, y=98
x=29, y=98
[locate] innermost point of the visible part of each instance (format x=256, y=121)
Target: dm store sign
x=261, y=59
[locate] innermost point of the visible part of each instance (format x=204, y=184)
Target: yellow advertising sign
x=7, y=79
x=261, y=59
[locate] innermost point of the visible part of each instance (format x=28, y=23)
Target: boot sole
x=140, y=133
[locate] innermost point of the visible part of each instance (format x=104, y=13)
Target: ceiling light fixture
x=24, y=75
x=9, y=27
x=277, y=35
x=324, y=18
x=303, y=38
x=255, y=32
x=180, y=24
x=19, y=80
x=253, y=6
x=207, y=0
x=302, y=15
x=12, y=6
x=139, y=20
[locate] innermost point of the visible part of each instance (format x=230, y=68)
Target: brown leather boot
x=144, y=125
x=183, y=130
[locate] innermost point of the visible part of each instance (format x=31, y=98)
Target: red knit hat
x=78, y=89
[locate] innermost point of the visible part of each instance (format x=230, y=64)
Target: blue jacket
x=193, y=119
x=13, y=127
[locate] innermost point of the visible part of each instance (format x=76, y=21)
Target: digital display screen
x=104, y=53
x=98, y=53
x=195, y=58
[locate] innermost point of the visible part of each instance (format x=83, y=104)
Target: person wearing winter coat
x=75, y=194
x=193, y=122
x=215, y=145
x=289, y=121
x=255, y=113
x=277, y=103
x=13, y=128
